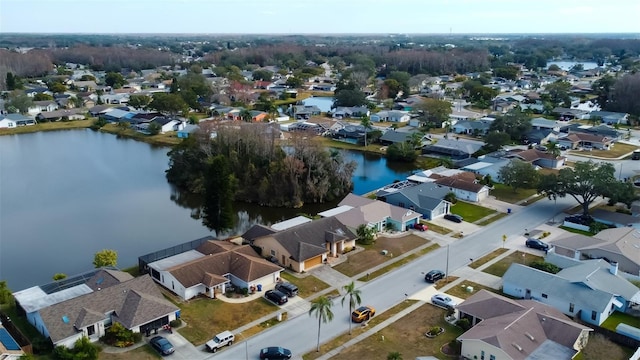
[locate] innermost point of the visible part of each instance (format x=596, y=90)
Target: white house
x=211, y=268
x=590, y=290
x=40, y=106
x=391, y=116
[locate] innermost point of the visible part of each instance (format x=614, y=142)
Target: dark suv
x=434, y=275
x=287, y=288
x=276, y=296
x=536, y=244
x=454, y=217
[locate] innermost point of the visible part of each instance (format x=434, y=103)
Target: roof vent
x=530, y=336
x=517, y=346
x=65, y=319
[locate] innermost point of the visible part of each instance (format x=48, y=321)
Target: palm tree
x=366, y=122
x=354, y=298
x=553, y=149
x=245, y=115
x=322, y=308
x=394, y=355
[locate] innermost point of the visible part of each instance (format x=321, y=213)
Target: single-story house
x=600, y=130
x=618, y=245
x=391, y=116
x=426, y=198
x=71, y=114
x=211, y=267
x=304, y=246
x=589, y=291
x=15, y=120
x=541, y=137
x=542, y=123
x=355, y=210
x=40, y=106
x=610, y=118
x=167, y=124
x=538, y=158
x=456, y=149
x=517, y=329
x=580, y=140
x=304, y=112
x=38, y=90
x=350, y=112
x=187, y=130
x=566, y=114
x=464, y=186
x=395, y=137
x=258, y=116
x=472, y=127
x=486, y=165
x=116, y=115
x=87, y=304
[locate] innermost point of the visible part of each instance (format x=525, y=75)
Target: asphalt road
x=300, y=334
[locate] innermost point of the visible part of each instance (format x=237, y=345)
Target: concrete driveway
x=466, y=228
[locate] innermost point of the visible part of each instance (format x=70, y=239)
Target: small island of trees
x=246, y=162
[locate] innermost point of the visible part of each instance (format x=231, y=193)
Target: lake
x=567, y=64
x=67, y=194
x=323, y=103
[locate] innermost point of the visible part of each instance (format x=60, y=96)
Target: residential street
x=299, y=334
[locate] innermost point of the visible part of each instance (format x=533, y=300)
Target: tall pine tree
x=220, y=188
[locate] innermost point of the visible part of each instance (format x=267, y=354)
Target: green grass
x=48, y=126
x=500, y=267
x=576, y=231
x=617, y=318
x=485, y=259
x=506, y=193
x=397, y=264
x=307, y=285
x=471, y=212
x=488, y=221
x=438, y=229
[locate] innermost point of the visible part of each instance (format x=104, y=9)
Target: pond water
x=567, y=64
x=67, y=194
x=323, y=103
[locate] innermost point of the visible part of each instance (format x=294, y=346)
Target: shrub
x=119, y=336
x=245, y=291
x=464, y=324
x=175, y=323
x=434, y=330
x=451, y=197
x=545, y=266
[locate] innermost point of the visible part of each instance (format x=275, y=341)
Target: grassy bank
x=48, y=126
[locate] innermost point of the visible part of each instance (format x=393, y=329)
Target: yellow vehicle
x=363, y=313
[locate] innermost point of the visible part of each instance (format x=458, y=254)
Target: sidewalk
x=490, y=282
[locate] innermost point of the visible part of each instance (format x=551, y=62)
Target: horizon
x=305, y=17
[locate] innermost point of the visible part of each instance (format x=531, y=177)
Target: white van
x=220, y=340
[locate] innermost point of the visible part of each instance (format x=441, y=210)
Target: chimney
x=613, y=268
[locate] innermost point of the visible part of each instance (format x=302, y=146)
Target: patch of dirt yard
x=142, y=353
x=406, y=336
x=372, y=254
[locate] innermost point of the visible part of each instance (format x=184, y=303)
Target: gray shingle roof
x=309, y=240
x=117, y=298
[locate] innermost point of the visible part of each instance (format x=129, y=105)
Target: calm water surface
x=323, y=103
x=65, y=195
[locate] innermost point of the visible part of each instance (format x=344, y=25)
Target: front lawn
x=619, y=149
x=468, y=288
x=307, y=285
x=500, y=267
x=505, y=193
x=207, y=317
x=145, y=352
x=372, y=254
x=471, y=212
x=485, y=259
x=406, y=336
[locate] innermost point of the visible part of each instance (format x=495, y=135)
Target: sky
x=319, y=16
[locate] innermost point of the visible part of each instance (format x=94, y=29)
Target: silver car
x=443, y=300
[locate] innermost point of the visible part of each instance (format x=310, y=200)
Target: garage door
x=313, y=262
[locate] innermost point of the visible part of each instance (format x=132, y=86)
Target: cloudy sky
x=319, y=16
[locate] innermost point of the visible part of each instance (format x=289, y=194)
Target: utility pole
x=446, y=273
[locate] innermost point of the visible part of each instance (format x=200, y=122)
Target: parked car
x=287, y=288
x=443, y=300
x=162, y=345
x=434, y=275
x=225, y=338
x=454, y=217
x=275, y=353
x=363, y=313
x=536, y=244
x=276, y=296
x=421, y=227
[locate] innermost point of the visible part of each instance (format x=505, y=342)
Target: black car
x=275, y=353
x=287, y=288
x=161, y=344
x=276, y=296
x=434, y=275
x=537, y=244
x=454, y=217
